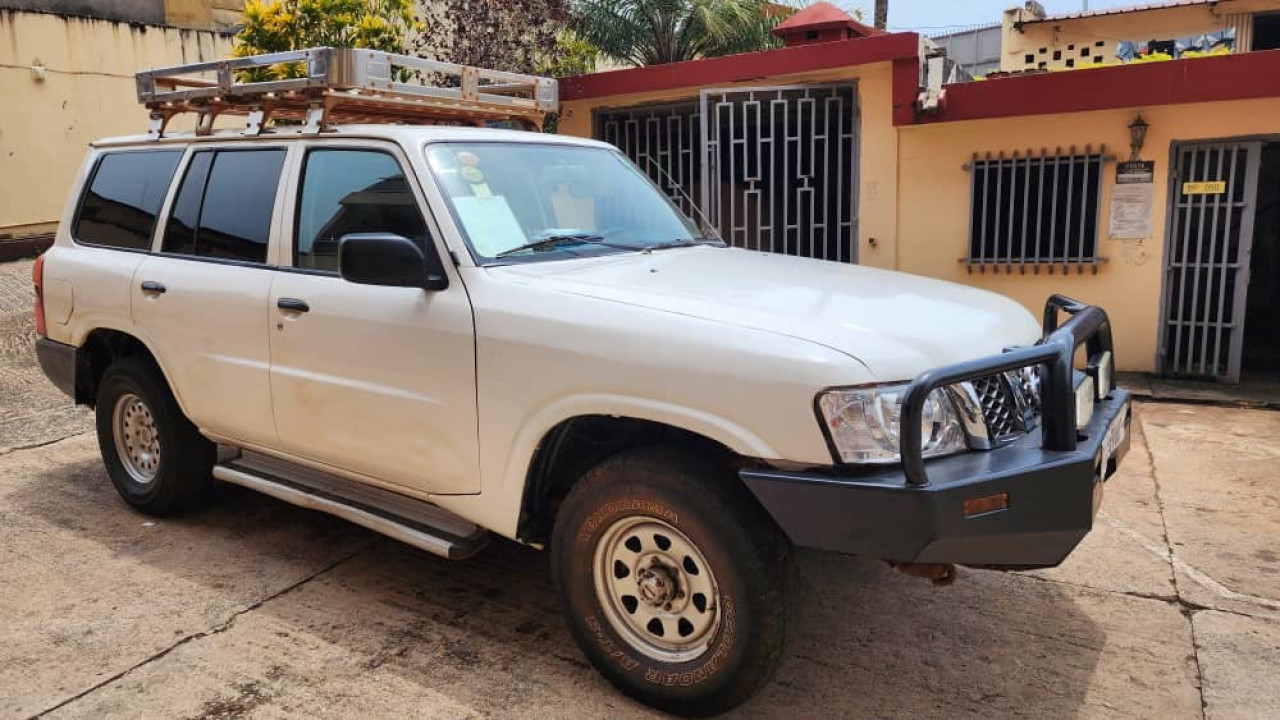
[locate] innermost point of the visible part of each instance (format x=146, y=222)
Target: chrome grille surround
x=1010, y=403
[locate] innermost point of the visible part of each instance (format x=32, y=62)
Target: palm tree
x=649, y=32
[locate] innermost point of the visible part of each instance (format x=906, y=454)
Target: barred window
x=1035, y=210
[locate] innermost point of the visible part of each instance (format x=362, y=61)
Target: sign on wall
x=1131, y=200
x=1208, y=187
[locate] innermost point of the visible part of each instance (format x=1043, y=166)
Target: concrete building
x=1032, y=40
x=1019, y=184
x=976, y=49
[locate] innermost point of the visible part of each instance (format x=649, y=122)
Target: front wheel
x=674, y=580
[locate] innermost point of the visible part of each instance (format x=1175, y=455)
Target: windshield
x=518, y=202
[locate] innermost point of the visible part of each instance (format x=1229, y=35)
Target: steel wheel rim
x=656, y=589
x=137, y=439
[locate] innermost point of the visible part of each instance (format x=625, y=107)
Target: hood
x=897, y=325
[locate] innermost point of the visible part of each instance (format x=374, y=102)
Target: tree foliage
x=571, y=55
x=510, y=35
x=279, y=25
x=649, y=32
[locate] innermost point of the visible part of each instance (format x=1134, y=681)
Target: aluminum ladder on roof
x=342, y=85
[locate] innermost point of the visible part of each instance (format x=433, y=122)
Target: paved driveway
x=1170, y=609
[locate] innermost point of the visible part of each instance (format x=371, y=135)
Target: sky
x=932, y=17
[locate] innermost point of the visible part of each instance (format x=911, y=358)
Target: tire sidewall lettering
x=607, y=512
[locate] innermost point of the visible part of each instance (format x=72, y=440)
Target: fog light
x=984, y=505
x=1085, y=397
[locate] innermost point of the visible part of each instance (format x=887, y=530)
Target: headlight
x=862, y=423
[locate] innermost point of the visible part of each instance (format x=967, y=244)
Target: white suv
x=442, y=332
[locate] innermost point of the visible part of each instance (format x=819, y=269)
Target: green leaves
x=650, y=32
x=278, y=25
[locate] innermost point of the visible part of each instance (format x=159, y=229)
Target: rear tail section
x=37, y=279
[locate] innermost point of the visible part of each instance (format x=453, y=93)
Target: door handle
x=292, y=305
x=151, y=287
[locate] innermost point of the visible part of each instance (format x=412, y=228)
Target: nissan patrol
x=444, y=332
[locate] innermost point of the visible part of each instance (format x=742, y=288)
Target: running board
x=409, y=520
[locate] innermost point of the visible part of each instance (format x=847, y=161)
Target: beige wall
x=87, y=93
x=933, y=221
x=878, y=167
x=1070, y=36
x=203, y=14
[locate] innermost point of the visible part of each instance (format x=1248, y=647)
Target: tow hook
x=940, y=574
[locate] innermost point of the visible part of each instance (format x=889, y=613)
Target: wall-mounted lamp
x=1137, y=135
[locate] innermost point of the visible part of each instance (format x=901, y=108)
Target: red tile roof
x=820, y=16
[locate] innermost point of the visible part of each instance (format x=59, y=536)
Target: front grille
x=1000, y=410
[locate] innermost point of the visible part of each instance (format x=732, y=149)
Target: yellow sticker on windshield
x=481, y=190
x=471, y=174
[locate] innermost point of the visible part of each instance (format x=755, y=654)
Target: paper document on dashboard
x=489, y=223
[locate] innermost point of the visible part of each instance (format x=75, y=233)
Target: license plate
x=1116, y=432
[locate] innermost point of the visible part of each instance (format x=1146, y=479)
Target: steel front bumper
x=1052, y=499
x=1051, y=479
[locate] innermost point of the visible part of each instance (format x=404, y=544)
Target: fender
x=85, y=326
x=498, y=504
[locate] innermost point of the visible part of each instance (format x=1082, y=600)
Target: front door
x=378, y=381
x=1213, y=194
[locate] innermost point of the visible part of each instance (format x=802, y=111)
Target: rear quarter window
x=122, y=199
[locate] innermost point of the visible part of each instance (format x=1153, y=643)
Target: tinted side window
x=351, y=191
x=223, y=209
x=119, y=208
x=180, y=231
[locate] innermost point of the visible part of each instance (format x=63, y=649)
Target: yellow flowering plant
x=280, y=25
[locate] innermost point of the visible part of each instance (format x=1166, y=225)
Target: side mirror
x=390, y=260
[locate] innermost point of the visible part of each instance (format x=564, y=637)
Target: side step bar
x=429, y=527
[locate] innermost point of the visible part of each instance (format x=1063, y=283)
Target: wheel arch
x=572, y=446
x=102, y=346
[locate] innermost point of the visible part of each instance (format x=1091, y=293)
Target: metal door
x=1212, y=197
x=779, y=168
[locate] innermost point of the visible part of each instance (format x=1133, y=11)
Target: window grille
x=1035, y=210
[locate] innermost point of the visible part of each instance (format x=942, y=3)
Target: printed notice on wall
x=1131, y=200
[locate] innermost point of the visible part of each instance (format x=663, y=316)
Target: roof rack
x=342, y=85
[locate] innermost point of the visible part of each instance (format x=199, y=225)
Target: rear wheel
x=157, y=460
x=674, y=580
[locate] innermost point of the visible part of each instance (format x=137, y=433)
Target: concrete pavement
x=1170, y=608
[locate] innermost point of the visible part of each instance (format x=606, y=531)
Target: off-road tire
x=747, y=555
x=182, y=474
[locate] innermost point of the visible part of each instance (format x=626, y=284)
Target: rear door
x=202, y=300
x=378, y=381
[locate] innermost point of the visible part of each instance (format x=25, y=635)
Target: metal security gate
x=779, y=173
x=771, y=169
x=1212, y=198
x=665, y=141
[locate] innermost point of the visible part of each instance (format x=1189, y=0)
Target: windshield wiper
x=552, y=241
x=684, y=242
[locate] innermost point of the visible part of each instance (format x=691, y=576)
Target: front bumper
x=1052, y=478
x=1052, y=499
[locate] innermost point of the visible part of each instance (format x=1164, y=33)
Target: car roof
x=403, y=134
